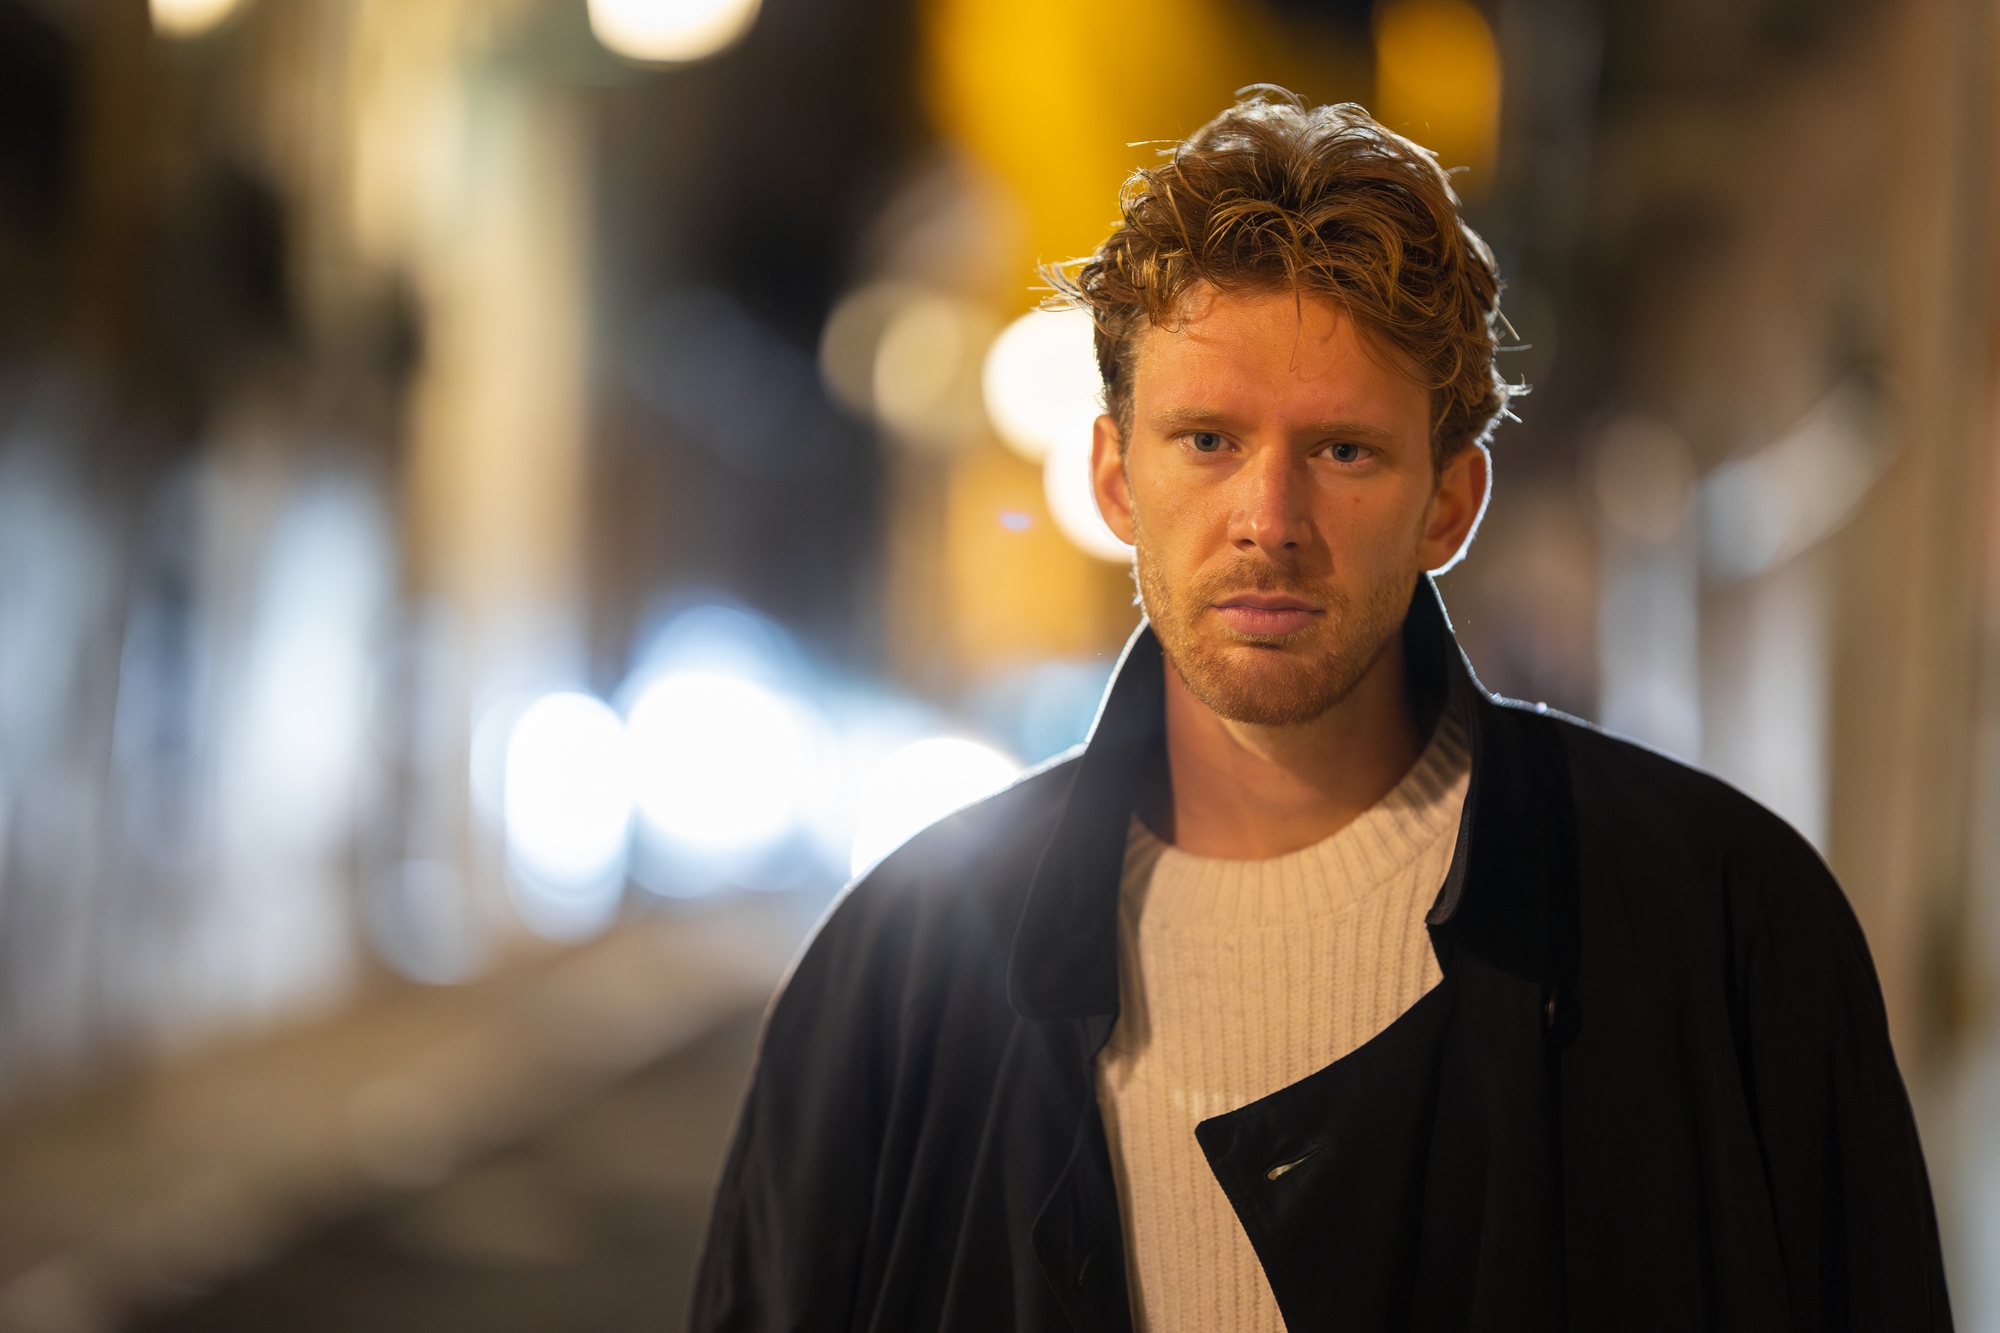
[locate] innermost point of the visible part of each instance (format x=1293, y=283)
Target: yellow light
x=1012, y=83
x=670, y=31
x=189, y=18
x=1042, y=395
x=1437, y=80
x=1017, y=593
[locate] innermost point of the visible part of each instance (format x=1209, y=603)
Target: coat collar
x=1502, y=899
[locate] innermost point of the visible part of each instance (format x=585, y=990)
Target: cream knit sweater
x=1236, y=979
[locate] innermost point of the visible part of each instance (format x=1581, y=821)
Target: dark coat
x=1654, y=1089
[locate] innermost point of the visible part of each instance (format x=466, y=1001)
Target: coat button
x=1282, y=1167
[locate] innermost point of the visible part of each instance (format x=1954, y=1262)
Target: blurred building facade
x=370, y=370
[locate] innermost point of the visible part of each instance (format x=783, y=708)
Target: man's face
x=1279, y=488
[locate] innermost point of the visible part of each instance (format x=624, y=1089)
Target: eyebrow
x=1186, y=418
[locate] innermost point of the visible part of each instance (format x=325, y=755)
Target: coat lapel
x=1063, y=971
x=1064, y=961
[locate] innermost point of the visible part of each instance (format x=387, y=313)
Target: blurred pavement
x=160, y=1188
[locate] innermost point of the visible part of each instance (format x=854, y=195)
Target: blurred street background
x=506, y=505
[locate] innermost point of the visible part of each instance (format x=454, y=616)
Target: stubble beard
x=1270, y=680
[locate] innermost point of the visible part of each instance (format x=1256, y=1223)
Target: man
x=1322, y=989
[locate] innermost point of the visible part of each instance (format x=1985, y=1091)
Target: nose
x=1271, y=513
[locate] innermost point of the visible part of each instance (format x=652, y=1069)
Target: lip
x=1265, y=614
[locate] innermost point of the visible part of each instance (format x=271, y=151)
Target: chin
x=1278, y=680
x=1269, y=684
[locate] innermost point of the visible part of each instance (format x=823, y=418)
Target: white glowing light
x=1066, y=484
x=850, y=344
x=568, y=807
x=720, y=763
x=670, y=31
x=293, y=767
x=189, y=18
x=1041, y=382
x=919, y=785
x=916, y=363
x=492, y=727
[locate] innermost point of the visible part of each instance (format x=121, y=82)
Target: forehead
x=1280, y=349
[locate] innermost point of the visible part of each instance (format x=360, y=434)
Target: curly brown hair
x=1271, y=196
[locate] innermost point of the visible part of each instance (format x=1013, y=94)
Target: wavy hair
x=1274, y=196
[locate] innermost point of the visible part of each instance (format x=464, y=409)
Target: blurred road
x=589, y=1225
x=530, y=1150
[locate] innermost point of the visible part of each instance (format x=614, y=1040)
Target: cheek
x=1374, y=524
x=1187, y=530
x=1165, y=514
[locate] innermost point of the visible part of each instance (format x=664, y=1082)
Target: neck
x=1246, y=792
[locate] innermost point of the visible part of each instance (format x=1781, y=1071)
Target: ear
x=1107, y=478
x=1455, y=510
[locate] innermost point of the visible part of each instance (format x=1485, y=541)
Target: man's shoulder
x=924, y=936
x=1662, y=826
x=1619, y=779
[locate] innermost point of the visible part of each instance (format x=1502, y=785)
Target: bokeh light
x=1437, y=79
x=924, y=369
x=671, y=31
x=713, y=637
x=1041, y=382
x=568, y=804
x=719, y=763
x=1066, y=484
x=189, y=18
x=910, y=358
x=851, y=338
x=921, y=784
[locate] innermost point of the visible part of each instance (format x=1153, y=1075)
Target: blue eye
x=1207, y=441
x=1345, y=453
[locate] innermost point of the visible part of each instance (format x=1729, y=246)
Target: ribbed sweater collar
x=1064, y=959
x=1347, y=865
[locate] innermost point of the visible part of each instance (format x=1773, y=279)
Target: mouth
x=1266, y=615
